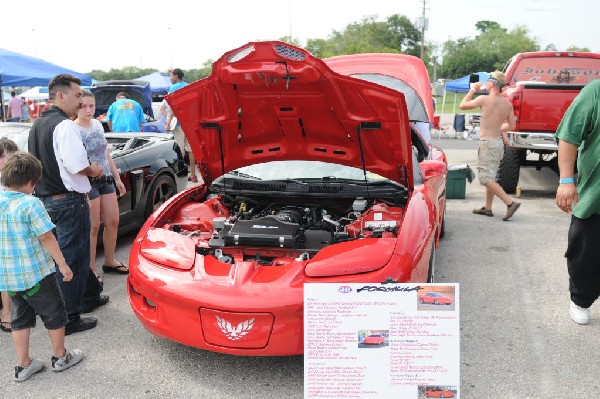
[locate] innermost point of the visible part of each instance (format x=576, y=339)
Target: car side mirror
x=432, y=168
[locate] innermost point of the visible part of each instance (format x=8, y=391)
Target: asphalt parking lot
x=517, y=340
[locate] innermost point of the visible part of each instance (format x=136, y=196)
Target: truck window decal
x=557, y=70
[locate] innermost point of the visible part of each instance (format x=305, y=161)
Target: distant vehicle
x=435, y=298
x=540, y=86
x=438, y=393
x=106, y=93
x=374, y=339
x=151, y=168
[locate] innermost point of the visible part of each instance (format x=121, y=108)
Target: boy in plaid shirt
x=27, y=271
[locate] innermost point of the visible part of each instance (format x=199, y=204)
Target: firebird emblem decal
x=235, y=333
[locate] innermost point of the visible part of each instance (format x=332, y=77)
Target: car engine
x=253, y=223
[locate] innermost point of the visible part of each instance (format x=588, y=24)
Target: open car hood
x=270, y=101
x=409, y=75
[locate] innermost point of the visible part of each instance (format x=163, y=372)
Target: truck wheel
x=508, y=171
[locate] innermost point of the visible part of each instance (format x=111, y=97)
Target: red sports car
x=438, y=393
x=309, y=176
x=435, y=298
x=374, y=339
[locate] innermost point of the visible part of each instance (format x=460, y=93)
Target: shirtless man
x=496, y=118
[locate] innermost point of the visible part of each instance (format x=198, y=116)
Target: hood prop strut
x=365, y=126
x=217, y=127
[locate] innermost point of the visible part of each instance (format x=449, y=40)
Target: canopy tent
x=22, y=70
x=461, y=85
x=159, y=83
x=35, y=93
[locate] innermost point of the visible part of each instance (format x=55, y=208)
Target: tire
x=431, y=273
x=508, y=171
x=163, y=188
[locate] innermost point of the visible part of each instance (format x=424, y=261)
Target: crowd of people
x=53, y=200
x=53, y=274
x=20, y=109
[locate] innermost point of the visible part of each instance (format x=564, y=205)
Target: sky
x=85, y=36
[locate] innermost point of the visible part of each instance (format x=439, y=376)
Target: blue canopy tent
x=22, y=70
x=159, y=83
x=461, y=85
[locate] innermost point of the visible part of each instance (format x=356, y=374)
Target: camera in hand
x=473, y=78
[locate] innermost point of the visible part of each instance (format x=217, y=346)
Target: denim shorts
x=47, y=302
x=99, y=189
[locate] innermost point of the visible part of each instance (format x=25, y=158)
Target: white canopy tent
x=35, y=94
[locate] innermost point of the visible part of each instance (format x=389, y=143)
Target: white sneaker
x=578, y=314
x=71, y=358
x=23, y=373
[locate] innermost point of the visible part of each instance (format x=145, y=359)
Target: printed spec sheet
x=388, y=340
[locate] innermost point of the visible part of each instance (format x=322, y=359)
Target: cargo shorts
x=489, y=155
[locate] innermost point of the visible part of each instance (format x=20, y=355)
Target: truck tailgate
x=543, y=105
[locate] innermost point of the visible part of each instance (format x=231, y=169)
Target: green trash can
x=456, y=185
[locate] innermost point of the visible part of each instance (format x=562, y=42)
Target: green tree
x=394, y=35
x=193, y=75
x=293, y=41
x=486, y=52
x=486, y=26
x=576, y=48
x=125, y=73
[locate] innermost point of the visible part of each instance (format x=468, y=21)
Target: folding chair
x=459, y=124
x=439, y=129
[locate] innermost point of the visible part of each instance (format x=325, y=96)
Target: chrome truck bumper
x=532, y=140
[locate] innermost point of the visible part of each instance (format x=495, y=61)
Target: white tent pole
x=454, y=110
x=443, y=108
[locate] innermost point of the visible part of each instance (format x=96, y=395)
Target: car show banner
x=389, y=340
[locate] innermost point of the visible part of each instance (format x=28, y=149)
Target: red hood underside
x=272, y=101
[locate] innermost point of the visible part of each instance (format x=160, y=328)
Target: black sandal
x=5, y=326
x=121, y=269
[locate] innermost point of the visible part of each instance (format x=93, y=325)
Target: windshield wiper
x=290, y=181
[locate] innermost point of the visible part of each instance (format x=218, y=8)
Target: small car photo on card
x=373, y=338
x=436, y=297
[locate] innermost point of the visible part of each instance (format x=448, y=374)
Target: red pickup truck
x=540, y=87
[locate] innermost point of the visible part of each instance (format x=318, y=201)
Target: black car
x=151, y=168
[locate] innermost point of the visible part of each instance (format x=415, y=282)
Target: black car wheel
x=163, y=188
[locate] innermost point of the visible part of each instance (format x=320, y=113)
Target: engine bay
x=301, y=225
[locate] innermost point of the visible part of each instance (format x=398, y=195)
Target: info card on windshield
x=389, y=340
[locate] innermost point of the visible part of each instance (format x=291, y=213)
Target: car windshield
x=304, y=170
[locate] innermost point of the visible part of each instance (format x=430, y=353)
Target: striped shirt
x=23, y=260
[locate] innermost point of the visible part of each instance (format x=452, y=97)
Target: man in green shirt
x=579, y=141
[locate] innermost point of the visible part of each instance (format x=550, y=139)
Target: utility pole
x=423, y=32
x=290, y=18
